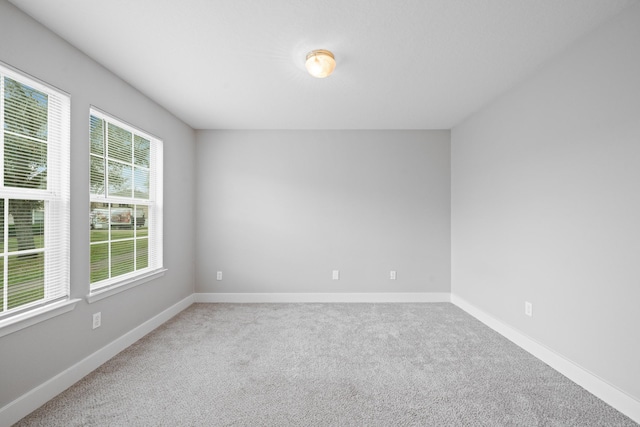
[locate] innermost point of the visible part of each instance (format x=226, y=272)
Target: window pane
x=97, y=175
x=96, y=132
x=25, y=110
x=99, y=220
x=26, y=225
x=1, y=229
x=119, y=146
x=141, y=151
x=99, y=262
x=141, y=183
x=121, y=257
x=142, y=253
x=142, y=220
x=2, y=306
x=25, y=162
x=120, y=179
x=122, y=222
x=25, y=279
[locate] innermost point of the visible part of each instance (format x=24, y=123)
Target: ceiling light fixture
x=320, y=63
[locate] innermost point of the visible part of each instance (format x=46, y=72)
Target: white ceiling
x=401, y=64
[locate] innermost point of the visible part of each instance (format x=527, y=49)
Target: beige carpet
x=325, y=365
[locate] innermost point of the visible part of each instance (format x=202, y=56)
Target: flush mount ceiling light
x=320, y=63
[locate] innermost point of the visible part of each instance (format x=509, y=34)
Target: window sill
x=122, y=286
x=29, y=318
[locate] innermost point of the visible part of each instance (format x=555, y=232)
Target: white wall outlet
x=219, y=275
x=392, y=275
x=528, y=308
x=97, y=319
x=336, y=275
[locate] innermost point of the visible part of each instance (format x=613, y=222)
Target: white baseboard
x=323, y=297
x=40, y=395
x=589, y=381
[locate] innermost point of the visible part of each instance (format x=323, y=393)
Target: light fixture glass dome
x=320, y=63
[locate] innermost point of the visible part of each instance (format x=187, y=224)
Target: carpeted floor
x=325, y=365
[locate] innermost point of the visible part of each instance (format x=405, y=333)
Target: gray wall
x=35, y=354
x=279, y=210
x=546, y=207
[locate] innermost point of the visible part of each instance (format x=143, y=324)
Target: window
x=34, y=194
x=126, y=202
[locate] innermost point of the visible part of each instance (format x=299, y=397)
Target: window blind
x=125, y=201
x=34, y=192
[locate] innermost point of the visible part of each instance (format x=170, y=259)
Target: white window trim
x=29, y=318
x=115, y=285
x=123, y=285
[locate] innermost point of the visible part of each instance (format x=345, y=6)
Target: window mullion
x=109, y=244
x=105, y=151
x=133, y=168
x=27, y=137
x=135, y=240
x=48, y=267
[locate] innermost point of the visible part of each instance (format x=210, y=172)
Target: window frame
x=56, y=208
x=155, y=268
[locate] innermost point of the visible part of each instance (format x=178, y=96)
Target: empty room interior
x=440, y=228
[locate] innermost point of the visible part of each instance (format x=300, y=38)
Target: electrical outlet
x=528, y=308
x=336, y=275
x=97, y=319
x=392, y=275
x=219, y=275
